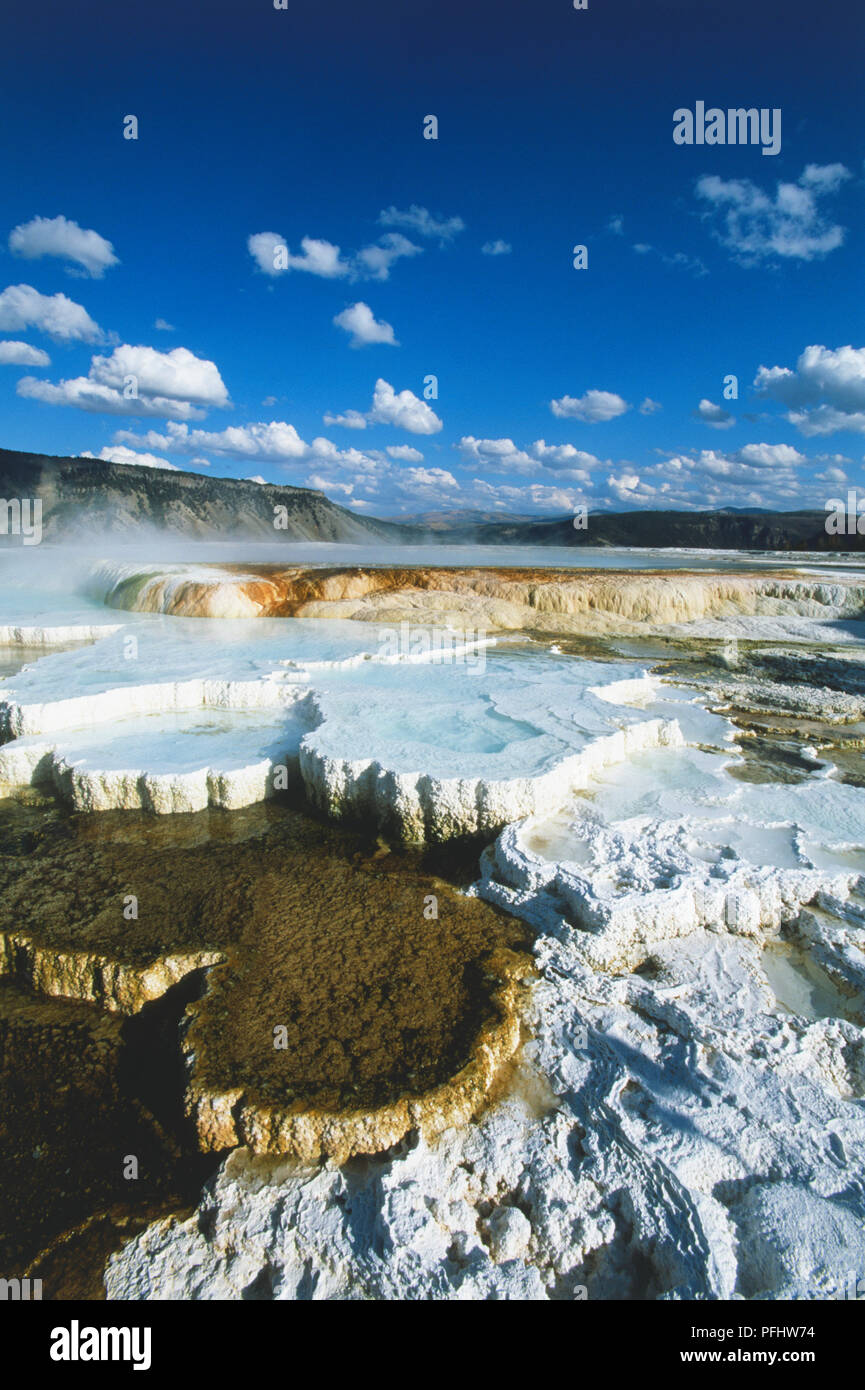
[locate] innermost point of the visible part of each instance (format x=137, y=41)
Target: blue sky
x=181, y=338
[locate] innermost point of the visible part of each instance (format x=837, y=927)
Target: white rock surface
x=678, y=1132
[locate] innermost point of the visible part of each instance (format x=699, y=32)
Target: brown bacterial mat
x=316, y=930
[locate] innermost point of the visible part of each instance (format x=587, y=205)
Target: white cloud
x=22, y=307
x=117, y=453
x=616, y=224
x=756, y=226
x=420, y=220
x=827, y=420
x=374, y=262
x=754, y=467
x=177, y=374
x=22, y=355
x=714, y=415
x=417, y=482
x=824, y=178
x=650, y=407
x=826, y=392
x=770, y=455
x=540, y=498
x=262, y=247
x=402, y=409
x=349, y=420
x=359, y=320
x=677, y=259
x=273, y=442
x=404, y=453
x=329, y=485
x=56, y=236
x=138, y=381
x=630, y=488
x=496, y=248
x=277, y=441
x=163, y=326
x=270, y=252
x=591, y=408
x=503, y=456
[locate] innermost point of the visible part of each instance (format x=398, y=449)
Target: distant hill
x=450, y=521
x=727, y=529
x=86, y=498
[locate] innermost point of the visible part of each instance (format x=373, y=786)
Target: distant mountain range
x=87, y=498
x=726, y=529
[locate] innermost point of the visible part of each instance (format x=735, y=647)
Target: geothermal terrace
x=643, y=1056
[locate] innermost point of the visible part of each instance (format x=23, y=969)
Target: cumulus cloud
x=714, y=415
x=403, y=409
x=418, y=482
x=770, y=455
x=826, y=391
x=270, y=252
x=138, y=381
x=420, y=220
x=118, y=453
x=404, y=453
x=163, y=326
x=832, y=475
x=591, y=408
x=275, y=441
x=503, y=456
x=827, y=420
x=496, y=248
x=374, y=262
x=757, y=226
x=650, y=407
x=757, y=474
x=348, y=420
x=359, y=320
x=329, y=485
x=22, y=307
x=56, y=236
x=542, y=499
x=256, y=478
x=631, y=489
x=22, y=355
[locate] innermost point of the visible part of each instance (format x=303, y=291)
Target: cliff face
x=86, y=497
